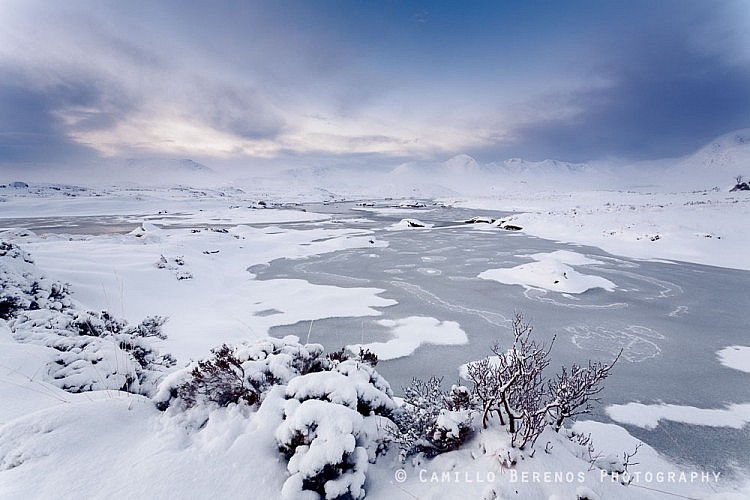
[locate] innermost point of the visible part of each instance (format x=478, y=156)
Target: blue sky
x=376, y=82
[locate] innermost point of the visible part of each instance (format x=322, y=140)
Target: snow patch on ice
x=409, y=333
x=735, y=416
x=735, y=356
x=551, y=271
x=298, y=300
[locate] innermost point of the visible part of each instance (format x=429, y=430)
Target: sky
x=371, y=82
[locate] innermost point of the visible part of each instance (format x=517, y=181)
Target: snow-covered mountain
x=159, y=171
x=459, y=165
x=716, y=164
x=464, y=174
x=725, y=152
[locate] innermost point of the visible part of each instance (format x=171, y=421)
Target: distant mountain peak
x=730, y=150
x=461, y=164
x=167, y=164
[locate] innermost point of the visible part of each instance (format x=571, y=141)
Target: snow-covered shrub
x=431, y=420
x=319, y=438
x=176, y=265
x=242, y=373
x=8, y=249
x=23, y=289
x=616, y=465
x=96, y=351
x=333, y=426
x=354, y=385
x=9, y=306
x=220, y=380
x=363, y=356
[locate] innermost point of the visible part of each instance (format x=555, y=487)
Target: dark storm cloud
x=644, y=117
x=30, y=131
x=665, y=96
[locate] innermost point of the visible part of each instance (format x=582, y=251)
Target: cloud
x=663, y=93
x=30, y=130
x=261, y=80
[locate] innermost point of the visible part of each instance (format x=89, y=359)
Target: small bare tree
x=571, y=392
x=511, y=384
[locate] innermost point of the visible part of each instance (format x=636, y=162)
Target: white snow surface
x=735, y=356
x=735, y=416
x=221, y=301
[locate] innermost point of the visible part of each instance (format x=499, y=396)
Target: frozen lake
x=669, y=318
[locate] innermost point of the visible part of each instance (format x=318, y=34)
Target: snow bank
x=551, y=272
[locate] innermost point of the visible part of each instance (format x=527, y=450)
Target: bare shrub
x=512, y=385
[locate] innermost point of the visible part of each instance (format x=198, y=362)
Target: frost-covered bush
x=511, y=384
x=431, y=420
x=570, y=392
x=243, y=373
x=334, y=425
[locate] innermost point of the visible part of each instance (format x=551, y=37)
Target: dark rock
x=480, y=220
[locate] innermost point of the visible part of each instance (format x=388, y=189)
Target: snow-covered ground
x=704, y=227
x=192, y=254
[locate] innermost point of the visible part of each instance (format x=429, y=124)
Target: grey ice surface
x=669, y=319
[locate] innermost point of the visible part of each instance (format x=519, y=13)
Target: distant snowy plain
x=660, y=270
